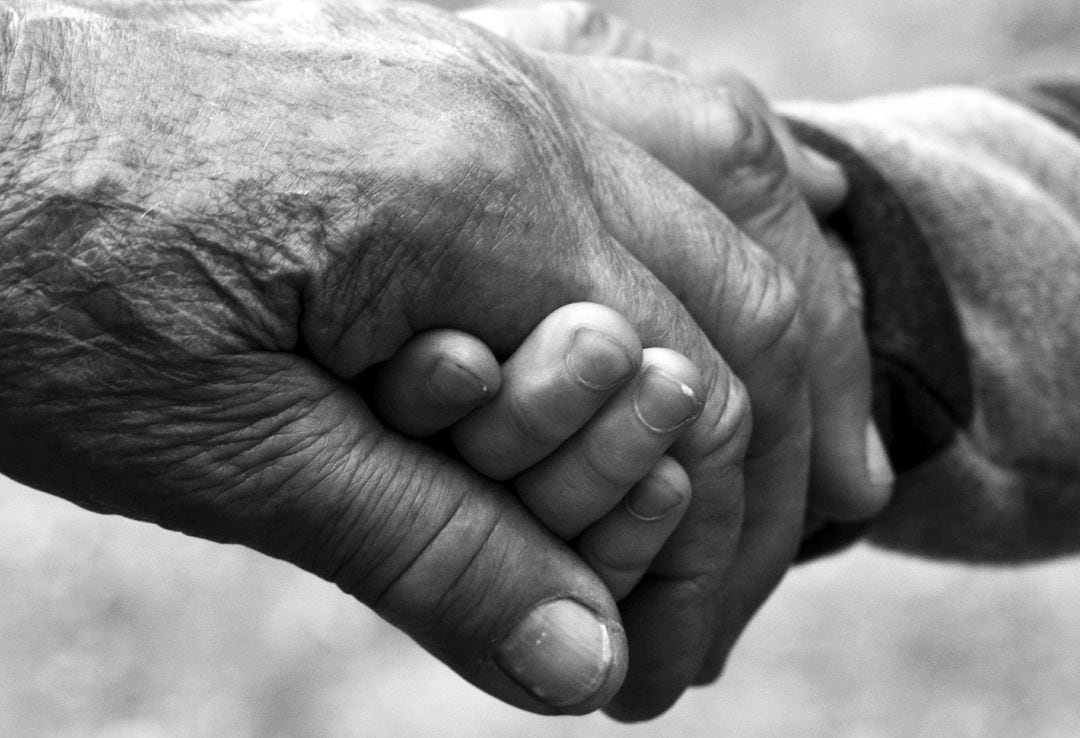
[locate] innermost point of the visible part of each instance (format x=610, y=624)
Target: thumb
x=449, y=557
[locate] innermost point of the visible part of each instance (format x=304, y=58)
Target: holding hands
x=220, y=248
x=580, y=420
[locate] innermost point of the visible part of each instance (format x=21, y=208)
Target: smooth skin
x=580, y=420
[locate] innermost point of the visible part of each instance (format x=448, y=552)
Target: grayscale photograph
x=335, y=337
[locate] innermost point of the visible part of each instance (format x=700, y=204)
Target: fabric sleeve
x=964, y=226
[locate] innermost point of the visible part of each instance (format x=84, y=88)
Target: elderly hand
x=207, y=241
x=718, y=133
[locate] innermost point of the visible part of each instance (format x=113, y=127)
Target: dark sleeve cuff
x=922, y=392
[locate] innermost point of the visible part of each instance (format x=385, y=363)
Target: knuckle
x=445, y=575
x=528, y=420
x=411, y=544
x=361, y=529
x=624, y=563
x=790, y=346
x=490, y=125
x=775, y=311
x=720, y=437
x=730, y=418
x=745, y=144
x=608, y=471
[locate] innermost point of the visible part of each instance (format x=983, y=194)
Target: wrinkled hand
x=718, y=133
x=205, y=244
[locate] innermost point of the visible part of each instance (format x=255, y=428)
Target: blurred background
x=114, y=628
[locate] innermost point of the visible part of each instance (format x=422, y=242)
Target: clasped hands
x=220, y=229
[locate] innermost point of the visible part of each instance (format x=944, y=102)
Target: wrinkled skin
x=718, y=133
x=205, y=244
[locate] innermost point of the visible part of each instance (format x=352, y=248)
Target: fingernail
x=598, y=361
x=650, y=501
x=877, y=460
x=561, y=652
x=663, y=403
x=453, y=384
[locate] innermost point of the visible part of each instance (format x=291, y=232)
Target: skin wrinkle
x=229, y=445
x=745, y=349
x=114, y=303
x=378, y=547
x=502, y=568
x=724, y=455
x=787, y=332
x=501, y=241
x=490, y=228
x=55, y=221
x=121, y=345
x=784, y=203
x=741, y=142
x=91, y=204
x=470, y=172
x=278, y=271
x=736, y=404
x=526, y=417
x=232, y=412
x=719, y=260
x=429, y=254
x=334, y=340
x=451, y=596
x=456, y=603
x=751, y=144
x=600, y=555
x=265, y=493
x=510, y=212
x=356, y=501
x=260, y=325
x=775, y=307
x=605, y=468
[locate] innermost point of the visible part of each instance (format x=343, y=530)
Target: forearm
x=968, y=189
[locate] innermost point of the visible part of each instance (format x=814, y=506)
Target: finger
x=621, y=545
x=592, y=472
x=598, y=270
x=573, y=28
x=435, y=380
x=574, y=361
x=491, y=250
x=580, y=29
x=722, y=142
x=750, y=311
x=447, y=556
x=844, y=482
x=818, y=179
